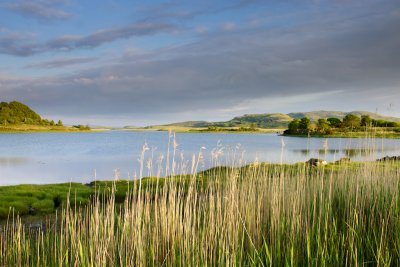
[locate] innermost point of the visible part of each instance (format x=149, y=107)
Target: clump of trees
x=17, y=113
x=252, y=127
x=328, y=126
x=82, y=127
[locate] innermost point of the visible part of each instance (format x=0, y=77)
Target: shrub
x=57, y=201
x=3, y=212
x=19, y=207
x=43, y=206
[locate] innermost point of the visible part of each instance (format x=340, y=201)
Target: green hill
x=18, y=113
x=273, y=120
x=277, y=120
x=194, y=124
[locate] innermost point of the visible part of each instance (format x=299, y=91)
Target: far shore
x=15, y=129
x=222, y=130
x=46, y=129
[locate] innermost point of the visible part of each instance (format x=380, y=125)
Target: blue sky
x=147, y=62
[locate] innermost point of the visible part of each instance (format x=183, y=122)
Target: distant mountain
x=194, y=124
x=272, y=120
x=278, y=120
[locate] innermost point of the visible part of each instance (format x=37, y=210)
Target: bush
x=3, y=212
x=82, y=127
x=80, y=200
x=57, y=201
x=19, y=207
x=43, y=206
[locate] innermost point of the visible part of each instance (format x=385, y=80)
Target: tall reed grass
x=257, y=215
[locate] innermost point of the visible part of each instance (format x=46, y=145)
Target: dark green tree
x=334, y=122
x=304, y=124
x=324, y=126
x=366, y=120
x=294, y=126
x=351, y=121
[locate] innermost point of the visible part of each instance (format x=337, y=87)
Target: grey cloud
x=109, y=35
x=25, y=45
x=61, y=62
x=176, y=10
x=39, y=9
x=18, y=44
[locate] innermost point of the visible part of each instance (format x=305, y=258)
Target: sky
x=128, y=62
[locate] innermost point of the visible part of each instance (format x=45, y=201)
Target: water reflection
x=13, y=161
x=349, y=152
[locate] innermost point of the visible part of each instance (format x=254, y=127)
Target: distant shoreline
x=18, y=129
x=43, y=129
x=222, y=130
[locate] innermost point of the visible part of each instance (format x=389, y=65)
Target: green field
x=257, y=215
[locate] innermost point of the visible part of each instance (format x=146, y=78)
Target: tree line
x=350, y=122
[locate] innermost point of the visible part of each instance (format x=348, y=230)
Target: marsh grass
x=257, y=215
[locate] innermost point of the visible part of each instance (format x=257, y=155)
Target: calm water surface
x=82, y=157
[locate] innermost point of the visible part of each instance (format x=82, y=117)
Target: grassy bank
x=25, y=128
x=258, y=215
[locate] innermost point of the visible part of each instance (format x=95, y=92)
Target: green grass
x=256, y=215
x=40, y=197
x=46, y=199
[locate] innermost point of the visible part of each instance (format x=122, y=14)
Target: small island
x=18, y=117
x=350, y=126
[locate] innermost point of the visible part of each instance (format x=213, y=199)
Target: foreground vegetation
x=258, y=215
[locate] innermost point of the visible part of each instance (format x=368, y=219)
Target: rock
x=316, y=162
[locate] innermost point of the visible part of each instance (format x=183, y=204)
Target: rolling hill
x=18, y=117
x=277, y=120
x=17, y=113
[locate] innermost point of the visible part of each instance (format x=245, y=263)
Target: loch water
x=41, y=158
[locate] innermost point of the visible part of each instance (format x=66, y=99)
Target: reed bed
x=256, y=215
